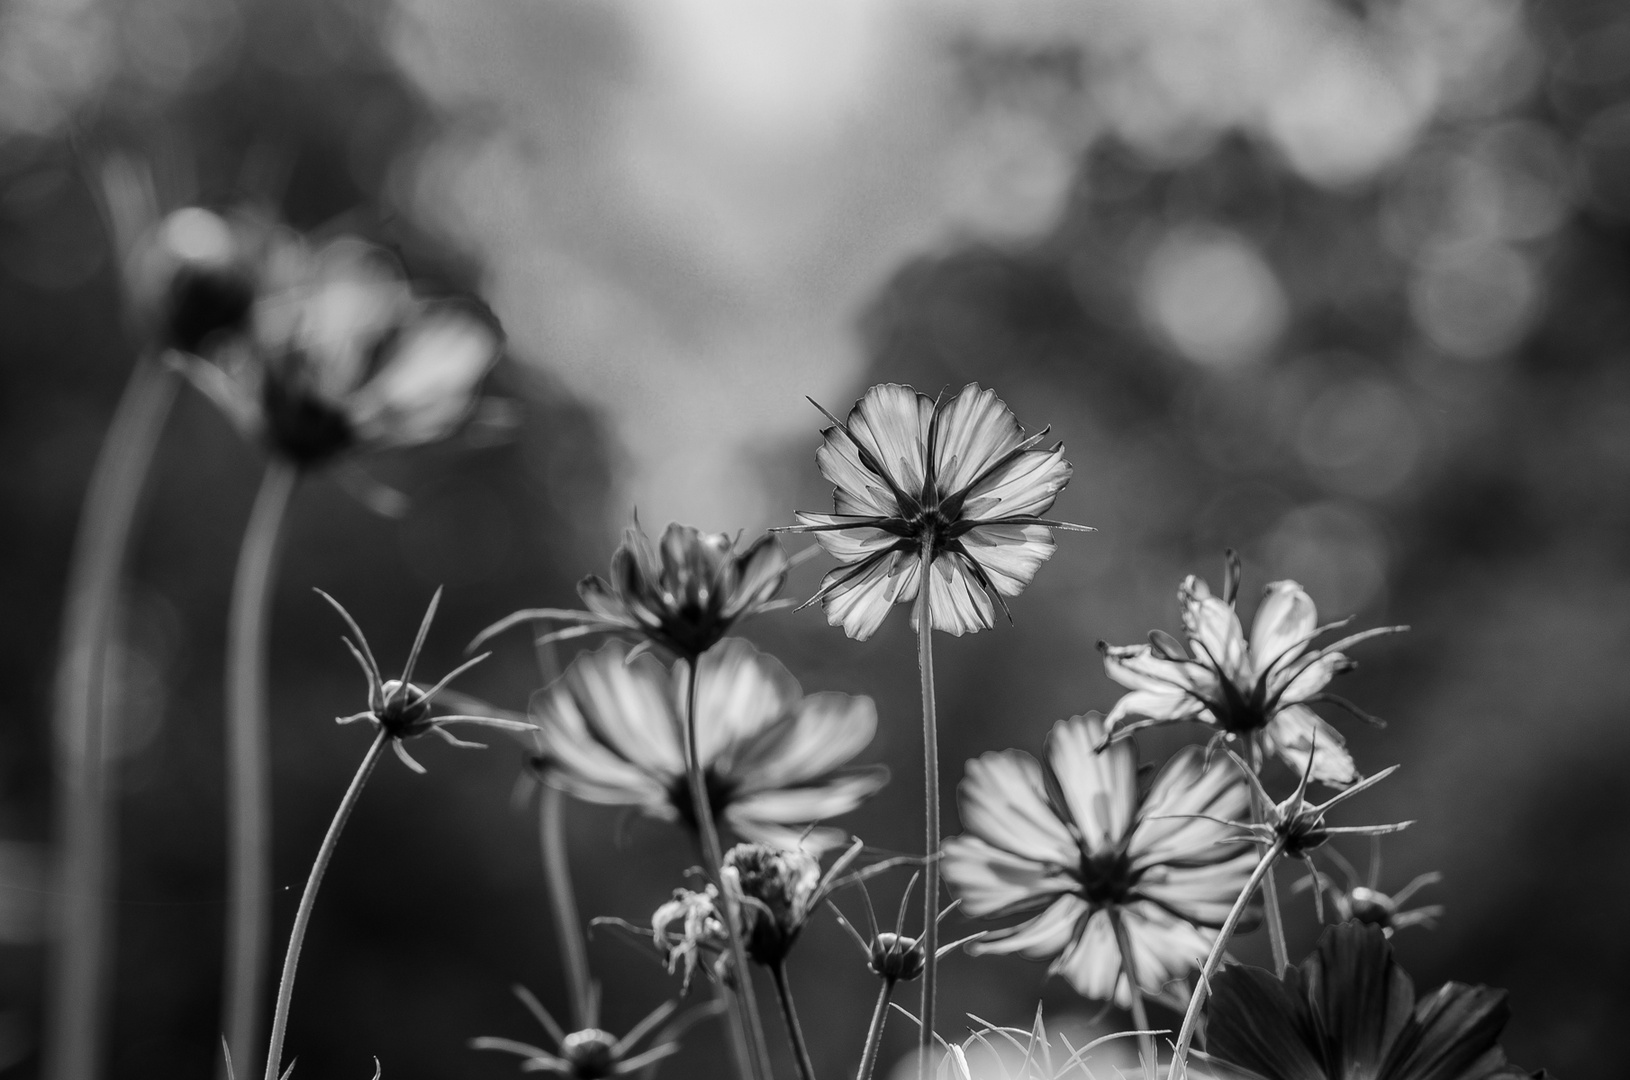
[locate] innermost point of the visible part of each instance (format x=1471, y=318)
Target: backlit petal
x=816, y=802
x=974, y=431
x=891, y=422
x=427, y=383
x=1010, y=555
x=1100, y=786
x=1044, y=936
x=740, y=693
x=860, y=603
x=1185, y=786
x=1093, y=964
x=1155, y=705
x=957, y=604
x=1285, y=621
x=1214, y=629
x=1291, y=734
x=1002, y=800
x=1026, y=485
x=858, y=490
x=818, y=734
x=627, y=705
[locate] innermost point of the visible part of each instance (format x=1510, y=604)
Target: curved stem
x=1202, y=986
x=746, y=1013
x=248, y=765
x=308, y=899
x=557, y=871
x=1270, y=900
x=1140, y=1015
x=85, y=858
x=931, y=811
x=789, y=1013
x=874, y=1032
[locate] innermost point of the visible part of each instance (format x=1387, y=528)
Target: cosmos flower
x=1350, y=1011
x=701, y=935
x=590, y=1054
x=1069, y=841
x=1363, y=901
x=956, y=478
x=402, y=709
x=773, y=759
x=193, y=277
x=684, y=593
x=781, y=887
x=1257, y=690
x=342, y=355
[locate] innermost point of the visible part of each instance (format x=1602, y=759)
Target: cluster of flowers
x=1130, y=891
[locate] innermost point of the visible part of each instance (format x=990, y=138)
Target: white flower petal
x=974, y=431
x=1003, y=801
x=1185, y=786
x=627, y=705
x=1164, y=947
x=1026, y=485
x=1093, y=964
x=1291, y=734
x=957, y=603
x=816, y=802
x=1139, y=667
x=739, y=693
x=847, y=545
x=818, y=734
x=861, y=603
x=1214, y=629
x=1285, y=622
x=1044, y=936
x=1100, y=787
x=428, y=382
x=1155, y=705
x=891, y=423
x=1204, y=894
x=1010, y=555
x=858, y=489
x=1309, y=678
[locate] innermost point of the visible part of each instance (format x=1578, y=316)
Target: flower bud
x=777, y=887
x=896, y=957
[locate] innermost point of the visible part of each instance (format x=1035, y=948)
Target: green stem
x=1270, y=901
x=789, y=1013
x=557, y=871
x=85, y=861
x=1202, y=987
x=308, y=899
x=248, y=780
x=931, y=812
x=746, y=1012
x=874, y=1032
x=1140, y=1016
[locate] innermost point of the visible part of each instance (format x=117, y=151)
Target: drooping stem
x=557, y=871
x=1202, y=986
x=308, y=899
x=1140, y=1015
x=1270, y=899
x=931, y=810
x=248, y=765
x=85, y=860
x=789, y=1013
x=874, y=1032
x=745, y=1014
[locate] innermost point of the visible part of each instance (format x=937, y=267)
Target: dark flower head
x=1350, y=1013
x=1361, y=900
x=403, y=709
x=683, y=593
x=891, y=954
x=589, y=1054
x=195, y=277
x=956, y=482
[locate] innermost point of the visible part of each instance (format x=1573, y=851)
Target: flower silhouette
x=1350, y=1011
x=589, y=1054
x=683, y=594
x=1257, y=690
x=342, y=355
x=1069, y=841
x=957, y=480
x=773, y=759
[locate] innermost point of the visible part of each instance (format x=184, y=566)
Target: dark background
x=1401, y=376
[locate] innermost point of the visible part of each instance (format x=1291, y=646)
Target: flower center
x=1106, y=877
x=405, y=712
x=720, y=791
x=590, y=1054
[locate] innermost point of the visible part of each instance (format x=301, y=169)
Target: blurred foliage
x=1372, y=335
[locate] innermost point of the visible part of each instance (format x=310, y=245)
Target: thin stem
x=557, y=871
x=874, y=1032
x=1270, y=900
x=1202, y=986
x=308, y=899
x=931, y=811
x=86, y=863
x=1140, y=1015
x=248, y=765
x=745, y=1015
x=789, y=1013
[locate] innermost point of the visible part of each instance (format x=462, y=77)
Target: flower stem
x=1140, y=1016
x=308, y=899
x=874, y=1033
x=85, y=866
x=1270, y=901
x=557, y=871
x=745, y=1015
x=1202, y=986
x=248, y=766
x=931, y=811
x=800, y=1050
